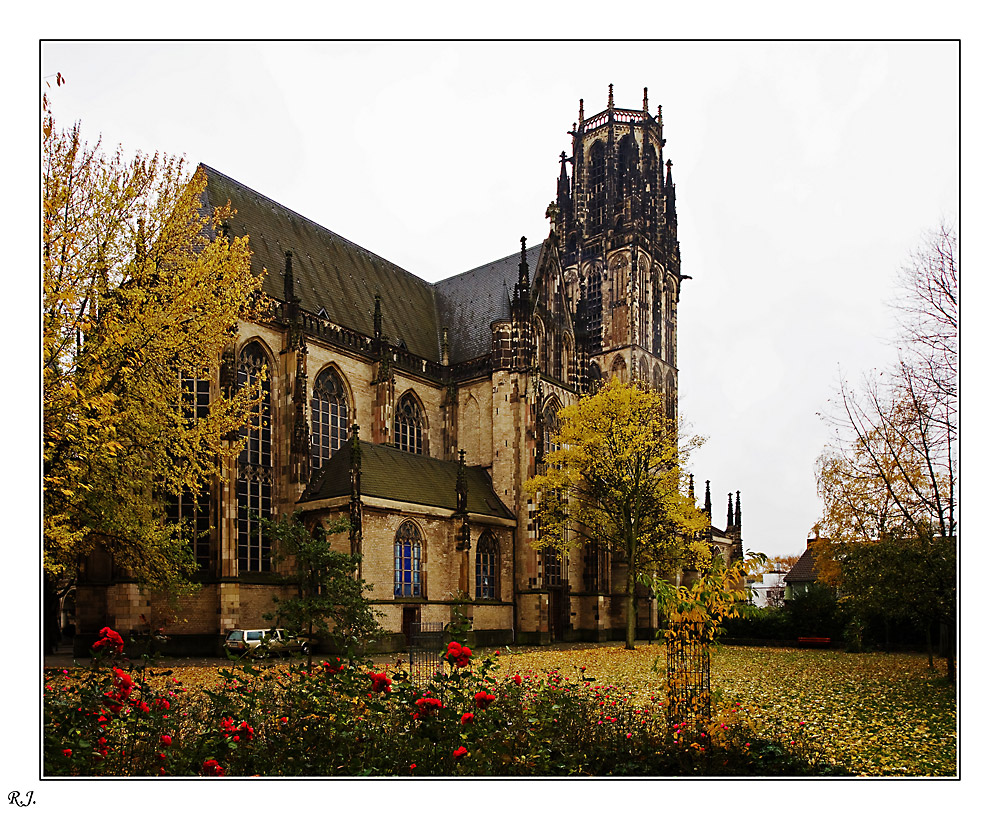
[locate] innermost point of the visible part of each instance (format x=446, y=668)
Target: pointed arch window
x=643, y=371
x=657, y=315
x=628, y=162
x=329, y=428
x=189, y=508
x=487, y=551
x=408, y=426
x=619, y=278
x=619, y=370
x=596, y=175
x=408, y=572
x=644, y=300
x=594, y=378
x=253, y=466
x=550, y=429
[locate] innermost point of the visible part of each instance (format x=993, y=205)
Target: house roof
x=330, y=272
x=395, y=475
x=470, y=302
x=805, y=569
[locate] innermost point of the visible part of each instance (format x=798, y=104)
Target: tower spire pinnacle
x=645, y=101
x=611, y=95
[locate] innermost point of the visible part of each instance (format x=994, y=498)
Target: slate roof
x=395, y=475
x=330, y=272
x=470, y=302
x=804, y=570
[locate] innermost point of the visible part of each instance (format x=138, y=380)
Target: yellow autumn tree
x=614, y=481
x=140, y=297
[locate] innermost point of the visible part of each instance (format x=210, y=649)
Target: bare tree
x=890, y=474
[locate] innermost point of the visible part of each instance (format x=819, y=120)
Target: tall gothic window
x=190, y=509
x=487, y=551
x=541, y=344
x=550, y=428
x=596, y=568
x=594, y=308
x=567, y=357
x=596, y=173
x=619, y=278
x=329, y=417
x=408, y=432
x=657, y=316
x=408, y=570
x=552, y=560
x=253, y=467
x=628, y=162
x=644, y=303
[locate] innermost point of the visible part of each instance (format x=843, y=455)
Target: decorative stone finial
x=611, y=95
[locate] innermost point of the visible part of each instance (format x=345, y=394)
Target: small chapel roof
x=393, y=474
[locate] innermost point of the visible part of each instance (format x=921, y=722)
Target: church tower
x=616, y=225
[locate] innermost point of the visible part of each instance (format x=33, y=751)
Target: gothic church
x=419, y=409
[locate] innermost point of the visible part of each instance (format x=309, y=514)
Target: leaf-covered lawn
x=877, y=714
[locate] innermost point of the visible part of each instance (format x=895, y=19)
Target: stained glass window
x=407, y=557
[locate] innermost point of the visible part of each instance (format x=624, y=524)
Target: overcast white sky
x=805, y=173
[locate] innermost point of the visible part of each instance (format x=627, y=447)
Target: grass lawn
x=877, y=714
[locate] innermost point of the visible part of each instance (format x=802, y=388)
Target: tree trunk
x=630, y=610
x=948, y=649
x=930, y=646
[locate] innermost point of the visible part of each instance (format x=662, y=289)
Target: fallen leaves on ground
x=877, y=714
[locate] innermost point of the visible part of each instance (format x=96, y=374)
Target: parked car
x=266, y=640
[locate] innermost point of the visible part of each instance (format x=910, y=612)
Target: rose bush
x=348, y=718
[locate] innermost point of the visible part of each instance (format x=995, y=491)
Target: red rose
x=517, y=679
x=211, y=768
x=109, y=640
x=461, y=751
x=458, y=655
x=483, y=699
x=467, y=717
x=381, y=682
x=67, y=752
x=428, y=705
x=166, y=740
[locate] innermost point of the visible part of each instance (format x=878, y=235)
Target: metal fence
x=427, y=642
x=688, y=671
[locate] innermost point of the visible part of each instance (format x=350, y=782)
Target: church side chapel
x=417, y=410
